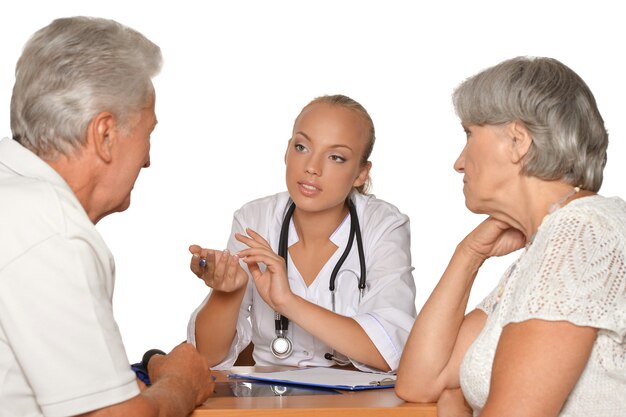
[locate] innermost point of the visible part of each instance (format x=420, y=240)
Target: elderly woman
x=550, y=338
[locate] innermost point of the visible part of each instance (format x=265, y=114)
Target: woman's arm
x=273, y=287
x=341, y=333
x=216, y=321
x=536, y=366
x=442, y=333
x=452, y=404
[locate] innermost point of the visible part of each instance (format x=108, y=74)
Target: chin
x=473, y=206
x=124, y=206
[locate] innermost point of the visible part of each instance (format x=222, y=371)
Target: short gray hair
x=70, y=71
x=555, y=105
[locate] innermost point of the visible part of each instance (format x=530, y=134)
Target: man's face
x=130, y=155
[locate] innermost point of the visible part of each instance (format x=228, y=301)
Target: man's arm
x=182, y=381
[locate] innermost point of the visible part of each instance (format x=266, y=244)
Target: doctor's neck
x=318, y=225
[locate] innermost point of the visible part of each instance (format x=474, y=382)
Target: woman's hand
x=493, y=238
x=272, y=284
x=221, y=270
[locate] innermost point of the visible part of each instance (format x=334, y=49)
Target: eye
x=299, y=147
x=468, y=132
x=337, y=158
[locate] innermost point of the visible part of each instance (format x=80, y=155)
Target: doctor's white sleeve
x=387, y=310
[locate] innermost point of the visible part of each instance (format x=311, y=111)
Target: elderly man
x=81, y=115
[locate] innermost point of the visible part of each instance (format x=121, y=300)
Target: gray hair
x=349, y=103
x=70, y=71
x=555, y=105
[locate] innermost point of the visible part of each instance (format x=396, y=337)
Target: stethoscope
x=281, y=346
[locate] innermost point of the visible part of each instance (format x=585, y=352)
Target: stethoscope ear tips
x=281, y=347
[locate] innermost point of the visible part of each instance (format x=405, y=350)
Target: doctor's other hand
x=218, y=269
x=493, y=237
x=188, y=367
x=272, y=284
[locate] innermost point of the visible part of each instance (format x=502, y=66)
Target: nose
x=314, y=166
x=459, y=164
x=147, y=164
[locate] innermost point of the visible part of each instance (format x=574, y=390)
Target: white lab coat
x=386, y=311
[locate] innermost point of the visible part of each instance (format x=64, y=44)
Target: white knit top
x=574, y=270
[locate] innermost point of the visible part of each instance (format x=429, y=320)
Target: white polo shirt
x=61, y=352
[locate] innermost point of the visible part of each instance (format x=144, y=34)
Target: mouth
x=307, y=188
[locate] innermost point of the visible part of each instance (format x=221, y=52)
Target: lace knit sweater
x=575, y=270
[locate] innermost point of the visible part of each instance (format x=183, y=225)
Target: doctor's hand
x=493, y=238
x=272, y=284
x=218, y=269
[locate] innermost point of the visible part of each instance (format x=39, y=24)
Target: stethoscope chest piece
x=281, y=347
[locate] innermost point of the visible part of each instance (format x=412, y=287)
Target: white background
x=237, y=73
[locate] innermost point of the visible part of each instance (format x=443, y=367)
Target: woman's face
x=324, y=156
x=486, y=165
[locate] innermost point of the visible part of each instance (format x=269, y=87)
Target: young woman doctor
x=329, y=265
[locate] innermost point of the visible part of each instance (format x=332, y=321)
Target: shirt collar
x=339, y=237
x=25, y=163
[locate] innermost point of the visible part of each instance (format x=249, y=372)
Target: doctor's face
x=324, y=156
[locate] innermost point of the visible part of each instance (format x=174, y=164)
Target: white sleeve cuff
x=389, y=345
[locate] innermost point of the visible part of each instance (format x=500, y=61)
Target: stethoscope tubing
x=282, y=322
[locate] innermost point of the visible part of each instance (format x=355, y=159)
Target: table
x=368, y=403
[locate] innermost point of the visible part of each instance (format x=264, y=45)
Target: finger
x=194, y=265
x=237, y=267
x=199, y=258
x=254, y=269
x=231, y=268
x=220, y=265
x=154, y=365
x=253, y=240
x=263, y=252
x=257, y=237
x=273, y=265
x=246, y=240
x=209, y=264
x=195, y=258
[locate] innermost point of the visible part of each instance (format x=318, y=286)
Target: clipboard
x=323, y=377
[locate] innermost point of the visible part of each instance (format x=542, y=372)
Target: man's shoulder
x=31, y=212
x=23, y=197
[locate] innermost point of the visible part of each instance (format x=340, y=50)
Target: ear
x=522, y=140
x=101, y=133
x=363, y=175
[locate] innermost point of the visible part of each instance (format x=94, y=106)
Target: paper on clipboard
x=325, y=378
